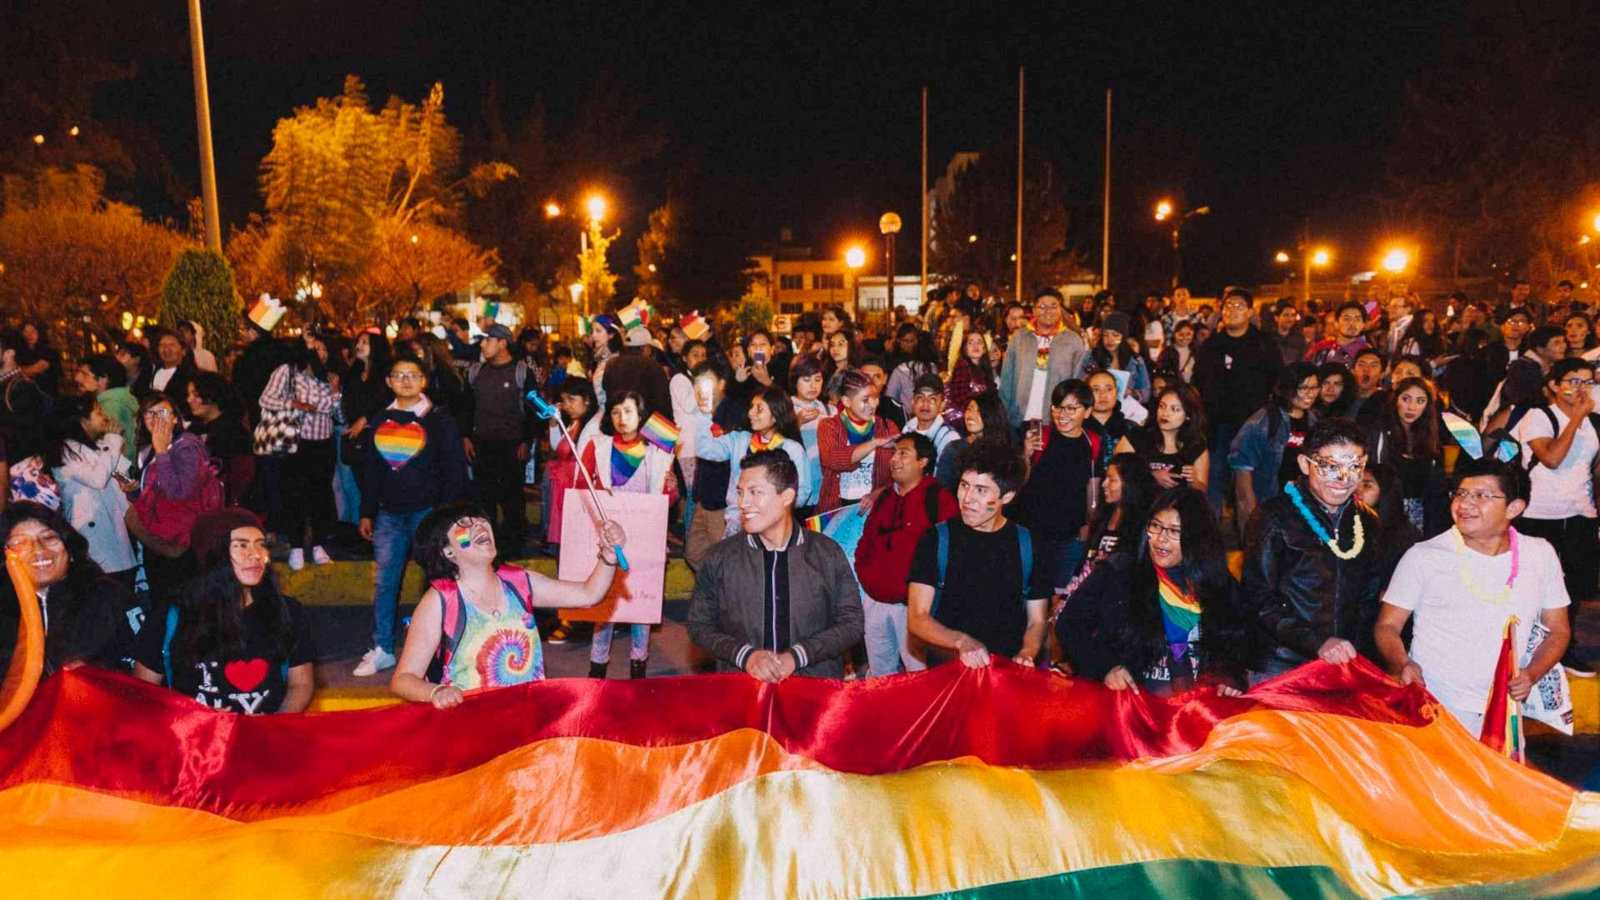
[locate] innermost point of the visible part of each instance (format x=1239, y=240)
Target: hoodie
x=416, y=461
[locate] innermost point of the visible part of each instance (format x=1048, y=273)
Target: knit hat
x=1115, y=321
x=209, y=537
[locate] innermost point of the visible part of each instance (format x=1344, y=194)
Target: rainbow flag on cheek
x=995, y=782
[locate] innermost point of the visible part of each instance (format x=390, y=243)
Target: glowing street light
x=1396, y=260
x=1321, y=257
x=73, y=131
x=1596, y=222
x=552, y=209
x=855, y=257
x=576, y=290
x=596, y=205
x=1163, y=210
x=972, y=239
x=38, y=139
x=1281, y=258
x=415, y=240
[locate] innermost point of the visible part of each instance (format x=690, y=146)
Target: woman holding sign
x=772, y=427
x=623, y=461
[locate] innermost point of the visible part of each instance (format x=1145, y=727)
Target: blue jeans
x=600, y=645
x=391, y=546
x=888, y=651
x=346, y=493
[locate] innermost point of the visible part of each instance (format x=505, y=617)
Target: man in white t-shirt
x=1560, y=446
x=1463, y=585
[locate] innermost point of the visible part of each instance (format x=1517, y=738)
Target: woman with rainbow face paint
x=621, y=460
x=478, y=613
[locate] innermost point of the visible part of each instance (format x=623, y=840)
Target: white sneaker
x=320, y=556
x=374, y=661
x=297, y=559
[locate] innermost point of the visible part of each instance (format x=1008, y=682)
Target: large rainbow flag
x=999, y=782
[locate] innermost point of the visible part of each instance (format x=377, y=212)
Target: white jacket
x=94, y=504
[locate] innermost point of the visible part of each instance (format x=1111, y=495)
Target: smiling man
x=1463, y=585
x=775, y=599
x=1312, y=562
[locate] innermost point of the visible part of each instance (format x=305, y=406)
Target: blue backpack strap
x=166, y=643
x=1025, y=546
x=942, y=531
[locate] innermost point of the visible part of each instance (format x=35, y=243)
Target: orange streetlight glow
x=1321, y=256
x=1281, y=257
x=1396, y=260
x=552, y=209
x=855, y=257
x=1163, y=210
x=596, y=205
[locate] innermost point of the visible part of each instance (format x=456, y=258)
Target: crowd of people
x=1160, y=495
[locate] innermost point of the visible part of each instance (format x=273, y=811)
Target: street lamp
x=552, y=209
x=855, y=256
x=596, y=205
x=1395, y=260
x=889, y=224
x=1281, y=258
x=1164, y=211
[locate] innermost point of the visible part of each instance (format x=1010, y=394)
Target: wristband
x=435, y=692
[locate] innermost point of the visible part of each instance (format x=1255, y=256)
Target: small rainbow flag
x=1502, y=718
x=694, y=327
x=1466, y=437
x=661, y=432
x=821, y=520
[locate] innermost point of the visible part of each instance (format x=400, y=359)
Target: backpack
x=520, y=373
x=166, y=648
x=1024, y=544
x=172, y=519
x=453, y=623
x=1555, y=429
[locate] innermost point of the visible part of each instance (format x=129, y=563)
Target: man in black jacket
x=775, y=599
x=1234, y=372
x=1313, y=564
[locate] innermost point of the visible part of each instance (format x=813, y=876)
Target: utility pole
x=922, y=296
x=1021, y=120
x=1105, y=203
x=202, y=113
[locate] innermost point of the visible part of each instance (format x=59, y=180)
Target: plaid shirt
x=287, y=386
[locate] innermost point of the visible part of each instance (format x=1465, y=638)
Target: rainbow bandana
x=399, y=442
x=757, y=444
x=625, y=460
x=1180, y=614
x=857, y=434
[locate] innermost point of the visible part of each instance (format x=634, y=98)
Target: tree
x=200, y=289
x=74, y=262
x=755, y=311
x=346, y=188
x=975, y=229
x=1496, y=158
x=653, y=248
x=599, y=284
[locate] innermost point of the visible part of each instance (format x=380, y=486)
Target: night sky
x=1269, y=114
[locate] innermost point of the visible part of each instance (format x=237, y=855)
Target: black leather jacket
x=1299, y=593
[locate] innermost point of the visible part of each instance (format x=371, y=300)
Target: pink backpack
x=454, y=621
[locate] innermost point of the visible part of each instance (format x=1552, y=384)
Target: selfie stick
x=543, y=409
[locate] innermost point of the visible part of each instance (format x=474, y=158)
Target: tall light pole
x=889, y=224
x=1164, y=213
x=202, y=114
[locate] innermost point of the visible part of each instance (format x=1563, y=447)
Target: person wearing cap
x=927, y=414
x=498, y=433
x=231, y=641
x=635, y=369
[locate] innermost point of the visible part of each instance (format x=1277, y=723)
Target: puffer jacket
x=1298, y=592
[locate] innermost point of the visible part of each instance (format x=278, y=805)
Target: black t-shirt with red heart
x=253, y=682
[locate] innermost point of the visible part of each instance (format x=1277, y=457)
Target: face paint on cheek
x=461, y=537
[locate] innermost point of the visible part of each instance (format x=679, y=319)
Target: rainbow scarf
x=1180, y=614
x=625, y=460
x=854, y=433
x=757, y=444
x=1041, y=356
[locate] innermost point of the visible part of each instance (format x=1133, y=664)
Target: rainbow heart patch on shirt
x=399, y=442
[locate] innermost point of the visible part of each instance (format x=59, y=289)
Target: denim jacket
x=1254, y=452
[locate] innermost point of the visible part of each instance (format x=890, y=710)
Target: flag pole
x=923, y=295
x=1105, y=207
x=1021, y=101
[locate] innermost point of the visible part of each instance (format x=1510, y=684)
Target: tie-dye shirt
x=497, y=651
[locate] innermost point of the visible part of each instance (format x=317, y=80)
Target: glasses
x=22, y=542
x=405, y=376
x=1068, y=409
x=1578, y=382
x=1235, y=304
x=1308, y=388
x=1477, y=497
x=1156, y=530
x=1334, y=470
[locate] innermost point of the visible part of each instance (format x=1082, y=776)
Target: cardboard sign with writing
x=635, y=595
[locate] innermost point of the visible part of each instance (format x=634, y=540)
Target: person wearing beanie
x=230, y=640
x=1113, y=353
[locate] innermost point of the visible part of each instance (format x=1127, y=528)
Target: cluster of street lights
x=597, y=207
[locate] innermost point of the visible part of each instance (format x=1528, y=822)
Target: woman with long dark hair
x=1421, y=337
x=1336, y=389
x=906, y=368
x=1173, y=441
x=972, y=375
x=85, y=457
x=86, y=612
x=772, y=427
x=174, y=481
x=1264, y=453
x=805, y=393
x=231, y=641
x=1111, y=352
x=1126, y=492
x=577, y=409
x=1162, y=616
x=1407, y=437
x=983, y=420
x=840, y=354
